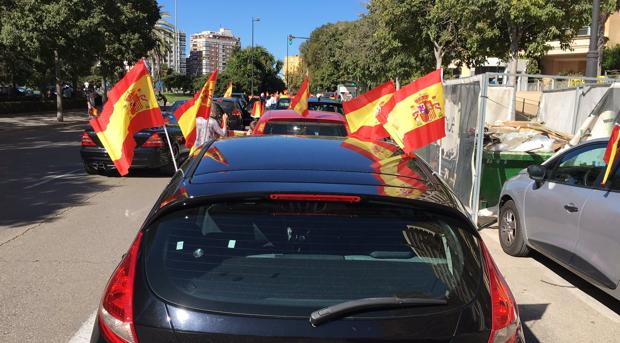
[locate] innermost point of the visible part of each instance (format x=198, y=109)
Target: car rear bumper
x=143, y=158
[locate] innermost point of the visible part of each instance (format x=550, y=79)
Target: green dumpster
x=497, y=167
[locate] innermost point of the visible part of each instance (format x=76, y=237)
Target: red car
x=289, y=122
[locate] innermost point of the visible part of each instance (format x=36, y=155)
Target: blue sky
x=278, y=18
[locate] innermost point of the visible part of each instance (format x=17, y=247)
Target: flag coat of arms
x=131, y=107
x=611, y=153
x=361, y=112
x=198, y=106
x=415, y=115
x=299, y=103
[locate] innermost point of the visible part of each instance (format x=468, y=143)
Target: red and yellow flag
x=198, y=106
x=258, y=109
x=228, y=92
x=131, y=107
x=361, y=112
x=299, y=103
x=612, y=151
x=415, y=115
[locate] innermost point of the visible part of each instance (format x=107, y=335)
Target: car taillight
x=116, y=310
x=86, y=140
x=316, y=197
x=154, y=141
x=506, y=325
x=236, y=113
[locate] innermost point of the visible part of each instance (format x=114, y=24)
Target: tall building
x=210, y=50
x=175, y=58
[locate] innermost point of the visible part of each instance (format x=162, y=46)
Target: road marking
x=52, y=178
x=83, y=334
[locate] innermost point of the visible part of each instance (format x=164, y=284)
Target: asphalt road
x=62, y=232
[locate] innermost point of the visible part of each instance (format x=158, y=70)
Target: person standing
x=89, y=90
x=209, y=128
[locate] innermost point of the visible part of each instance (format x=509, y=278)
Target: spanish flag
x=299, y=103
x=415, y=116
x=361, y=112
x=258, y=109
x=131, y=107
x=612, y=151
x=198, y=106
x=228, y=92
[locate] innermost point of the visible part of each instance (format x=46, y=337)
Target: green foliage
x=239, y=70
x=611, y=58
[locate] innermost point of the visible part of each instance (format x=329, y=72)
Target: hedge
x=11, y=107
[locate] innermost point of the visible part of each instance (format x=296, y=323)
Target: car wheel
x=511, y=235
x=90, y=170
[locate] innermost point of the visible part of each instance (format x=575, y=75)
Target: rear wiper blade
x=347, y=308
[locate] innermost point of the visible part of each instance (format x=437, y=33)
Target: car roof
x=312, y=164
x=312, y=115
x=325, y=100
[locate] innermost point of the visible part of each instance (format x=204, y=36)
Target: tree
x=52, y=33
x=530, y=24
x=608, y=7
x=125, y=34
x=239, y=70
x=163, y=34
x=611, y=58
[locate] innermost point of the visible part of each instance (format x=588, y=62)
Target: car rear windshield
x=289, y=258
x=227, y=106
x=325, y=107
x=305, y=128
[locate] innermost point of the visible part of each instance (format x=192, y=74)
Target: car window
x=227, y=106
x=289, y=258
x=580, y=167
x=325, y=107
x=304, y=128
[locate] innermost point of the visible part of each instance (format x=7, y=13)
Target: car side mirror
x=537, y=173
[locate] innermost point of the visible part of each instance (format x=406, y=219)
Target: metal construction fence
x=473, y=102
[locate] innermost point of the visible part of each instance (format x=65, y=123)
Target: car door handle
x=571, y=207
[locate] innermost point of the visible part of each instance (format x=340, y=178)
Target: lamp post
x=592, y=55
x=252, y=53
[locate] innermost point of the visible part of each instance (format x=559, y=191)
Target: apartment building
x=210, y=50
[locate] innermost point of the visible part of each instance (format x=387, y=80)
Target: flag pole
x=174, y=160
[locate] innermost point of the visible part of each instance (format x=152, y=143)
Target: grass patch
x=172, y=97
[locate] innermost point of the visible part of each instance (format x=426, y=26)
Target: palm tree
x=163, y=32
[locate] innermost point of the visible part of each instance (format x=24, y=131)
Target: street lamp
x=289, y=41
x=252, y=54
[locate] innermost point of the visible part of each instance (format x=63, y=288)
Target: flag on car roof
x=611, y=153
x=198, y=106
x=415, y=115
x=299, y=103
x=228, y=92
x=258, y=109
x=131, y=107
x=361, y=112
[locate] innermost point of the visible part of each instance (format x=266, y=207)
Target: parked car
x=561, y=210
x=242, y=97
x=289, y=122
x=238, y=117
x=152, y=150
x=293, y=239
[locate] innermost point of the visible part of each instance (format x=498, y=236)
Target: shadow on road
x=531, y=312
x=578, y=282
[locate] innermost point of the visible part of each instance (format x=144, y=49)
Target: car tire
x=511, y=233
x=90, y=170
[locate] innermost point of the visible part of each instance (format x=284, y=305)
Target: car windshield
x=304, y=128
x=290, y=258
x=325, y=107
x=283, y=103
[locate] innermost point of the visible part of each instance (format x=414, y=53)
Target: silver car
x=561, y=210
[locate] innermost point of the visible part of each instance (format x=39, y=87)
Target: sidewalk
x=23, y=121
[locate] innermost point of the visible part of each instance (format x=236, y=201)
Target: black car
x=298, y=239
x=314, y=104
x=238, y=116
x=152, y=150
